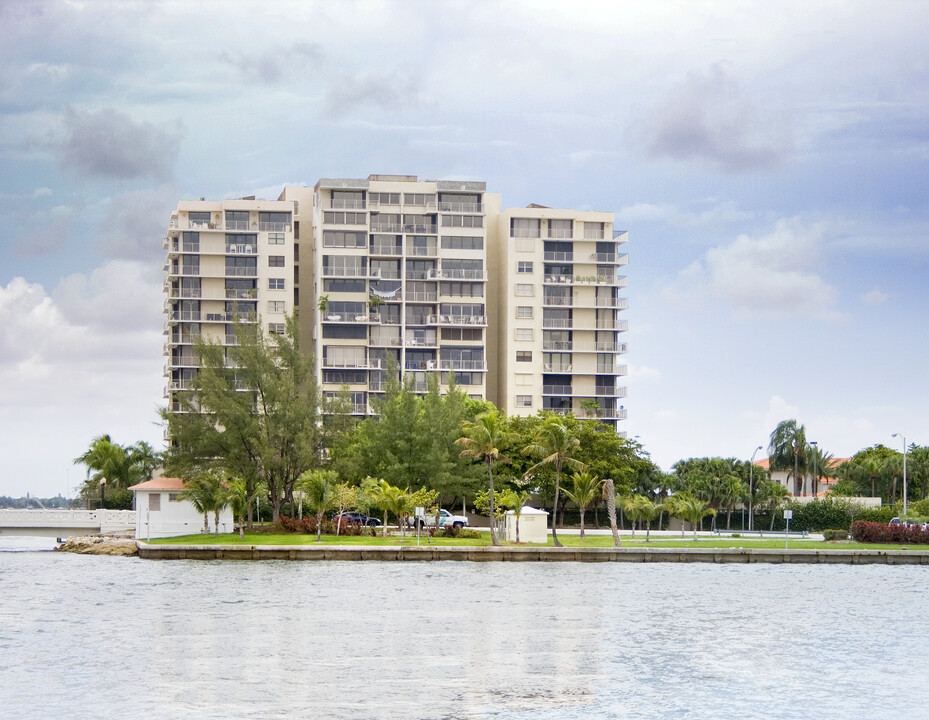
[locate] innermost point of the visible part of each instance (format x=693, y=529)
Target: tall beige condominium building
x=399, y=271
x=558, y=312
x=523, y=305
x=224, y=259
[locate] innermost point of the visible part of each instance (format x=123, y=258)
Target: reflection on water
x=96, y=637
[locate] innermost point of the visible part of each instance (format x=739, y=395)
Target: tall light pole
x=904, y=470
x=751, y=489
x=813, y=483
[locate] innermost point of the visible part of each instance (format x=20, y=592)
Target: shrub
x=469, y=534
x=835, y=534
x=882, y=514
x=871, y=532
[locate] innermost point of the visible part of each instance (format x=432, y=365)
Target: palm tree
x=515, y=500
x=769, y=496
x=731, y=491
x=241, y=499
x=318, y=487
x=693, y=511
x=392, y=499
x=208, y=493
x=481, y=440
x=555, y=444
x=587, y=488
x=609, y=494
x=789, y=448
x=640, y=509
x=821, y=464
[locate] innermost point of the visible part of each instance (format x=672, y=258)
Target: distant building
x=522, y=305
x=785, y=478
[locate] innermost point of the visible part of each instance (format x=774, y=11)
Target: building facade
x=522, y=305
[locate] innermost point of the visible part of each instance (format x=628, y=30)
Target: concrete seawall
x=530, y=554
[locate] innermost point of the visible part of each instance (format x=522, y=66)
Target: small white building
x=161, y=513
x=533, y=525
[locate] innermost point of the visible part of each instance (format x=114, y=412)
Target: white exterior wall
x=533, y=526
x=176, y=517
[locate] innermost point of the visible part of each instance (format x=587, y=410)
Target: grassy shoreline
x=572, y=541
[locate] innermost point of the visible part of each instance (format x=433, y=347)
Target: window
x=525, y=290
x=524, y=227
x=462, y=242
x=274, y=221
x=421, y=199
x=463, y=289
x=524, y=333
x=276, y=306
x=275, y=283
x=296, y=230
x=275, y=261
x=276, y=238
x=341, y=285
x=348, y=199
x=345, y=218
x=385, y=198
x=198, y=219
x=524, y=266
x=560, y=228
x=593, y=230
x=154, y=501
x=468, y=221
x=523, y=379
x=524, y=311
x=524, y=356
x=524, y=401
x=172, y=497
x=276, y=328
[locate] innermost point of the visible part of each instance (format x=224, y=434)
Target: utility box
x=533, y=525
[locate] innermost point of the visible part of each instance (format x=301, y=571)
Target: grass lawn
x=566, y=540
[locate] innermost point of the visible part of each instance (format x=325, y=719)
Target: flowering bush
x=871, y=532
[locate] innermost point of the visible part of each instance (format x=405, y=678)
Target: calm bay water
x=100, y=637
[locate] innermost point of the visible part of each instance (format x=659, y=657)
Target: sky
x=769, y=160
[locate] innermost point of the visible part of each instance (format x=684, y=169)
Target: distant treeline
x=27, y=503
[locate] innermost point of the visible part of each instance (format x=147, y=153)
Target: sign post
x=788, y=515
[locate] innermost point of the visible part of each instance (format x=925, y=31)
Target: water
x=100, y=637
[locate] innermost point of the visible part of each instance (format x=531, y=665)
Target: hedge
x=871, y=532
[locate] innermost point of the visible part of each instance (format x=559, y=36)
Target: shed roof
x=529, y=511
x=159, y=484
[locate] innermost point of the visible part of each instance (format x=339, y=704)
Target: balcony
x=385, y=341
x=431, y=251
x=345, y=272
x=458, y=275
x=560, y=233
x=382, y=227
x=184, y=316
x=422, y=342
x=479, y=320
x=559, y=257
x=556, y=390
x=422, y=297
x=372, y=364
x=610, y=347
x=557, y=323
x=464, y=365
x=557, y=367
x=347, y=204
x=366, y=318
x=420, y=228
x=241, y=272
x=557, y=346
x=386, y=250
x=274, y=226
x=238, y=249
x=615, y=303
x=558, y=301
x=234, y=294
x=184, y=360
x=460, y=207
x=239, y=225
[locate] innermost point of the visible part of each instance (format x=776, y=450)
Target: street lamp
x=751, y=489
x=904, y=471
x=102, y=495
x=813, y=483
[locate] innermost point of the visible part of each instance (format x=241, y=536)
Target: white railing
x=559, y=301
x=560, y=233
x=241, y=272
x=354, y=272
x=603, y=257
x=237, y=224
x=357, y=364
x=421, y=342
x=558, y=345
x=430, y=251
x=422, y=297
x=457, y=320
x=386, y=227
x=386, y=250
x=559, y=257
x=185, y=316
x=347, y=204
x=460, y=207
x=462, y=365
x=379, y=341
x=557, y=367
x=232, y=294
x=234, y=249
x=461, y=275
x=274, y=226
x=103, y=520
x=556, y=389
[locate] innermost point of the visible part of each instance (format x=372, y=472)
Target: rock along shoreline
x=531, y=554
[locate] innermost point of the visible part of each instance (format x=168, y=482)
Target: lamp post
x=813, y=483
x=102, y=494
x=904, y=470
x=751, y=489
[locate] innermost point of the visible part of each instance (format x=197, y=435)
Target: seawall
x=532, y=554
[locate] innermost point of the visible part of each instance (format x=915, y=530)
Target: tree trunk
x=611, y=510
x=648, y=530
x=275, y=508
x=385, y=524
x=772, y=519
x=517, y=528
x=249, y=518
x=319, y=526
x=695, y=529
x=555, y=541
x=206, y=523
x=582, y=523
x=493, y=521
x=729, y=519
x=216, y=523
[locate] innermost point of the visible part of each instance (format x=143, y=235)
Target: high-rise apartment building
x=228, y=259
x=555, y=283
x=522, y=305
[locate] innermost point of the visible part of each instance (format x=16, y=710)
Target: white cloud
x=643, y=374
x=645, y=212
x=874, y=297
x=775, y=275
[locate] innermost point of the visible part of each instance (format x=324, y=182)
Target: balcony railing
x=184, y=316
x=557, y=345
x=381, y=341
x=354, y=272
x=460, y=207
x=274, y=226
x=557, y=323
x=559, y=257
x=558, y=301
x=617, y=303
x=185, y=360
x=239, y=249
x=238, y=225
x=458, y=275
x=557, y=367
x=560, y=233
x=386, y=227
x=373, y=364
x=350, y=318
x=341, y=204
x=234, y=294
x=427, y=342
x=431, y=251
x=457, y=320
x=424, y=228
x=603, y=257
x=556, y=389
x=422, y=297
x=467, y=365
x=241, y=272
x=390, y=250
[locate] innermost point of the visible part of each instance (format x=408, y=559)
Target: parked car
x=446, y=519
x=356, y=517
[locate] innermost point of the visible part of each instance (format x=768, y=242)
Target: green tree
x=241, y=499
x=687, y=507
x=119, y=466
x=556, y=446
x=345, y=496
x=640, y=509
x=789, y=450
x=822, y=465
x=515, y=500
x=208, y=493
x=319, y=488
x=586, y=489
x=392, y=499
x=256, y=413
x=769, y=496
x=481, y=440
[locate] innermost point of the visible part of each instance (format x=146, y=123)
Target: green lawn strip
x=567, y=540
